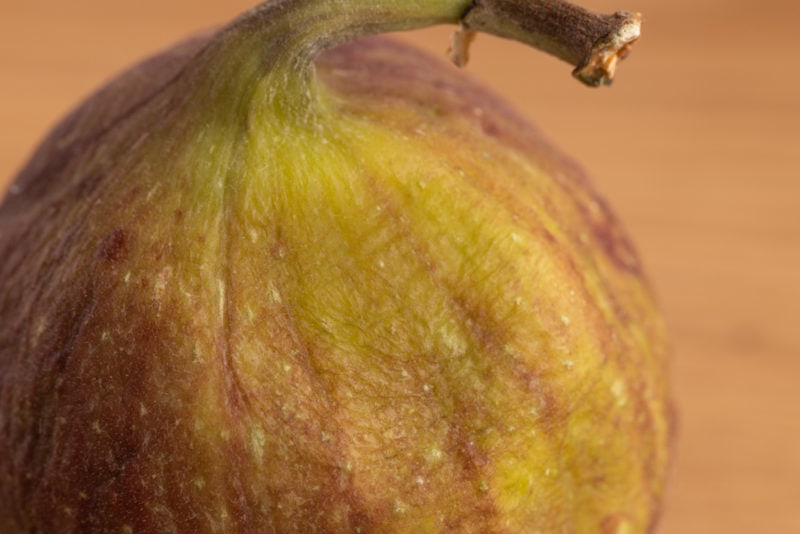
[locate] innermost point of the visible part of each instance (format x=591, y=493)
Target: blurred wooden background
x=696, y=146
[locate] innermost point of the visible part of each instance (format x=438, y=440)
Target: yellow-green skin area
x=387, y=306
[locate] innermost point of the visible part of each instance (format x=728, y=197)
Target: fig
x=292, y=276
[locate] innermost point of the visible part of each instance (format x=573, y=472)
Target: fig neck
x=273, y=46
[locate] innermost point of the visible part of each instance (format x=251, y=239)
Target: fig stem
x=592, y=43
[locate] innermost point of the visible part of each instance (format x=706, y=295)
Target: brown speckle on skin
x=490, y=128
x=114, y=247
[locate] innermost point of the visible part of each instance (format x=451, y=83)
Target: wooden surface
x=696, y=146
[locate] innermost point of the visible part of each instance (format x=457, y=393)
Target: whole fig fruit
x=290, y=278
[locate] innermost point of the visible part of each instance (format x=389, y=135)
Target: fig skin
x=396, y=308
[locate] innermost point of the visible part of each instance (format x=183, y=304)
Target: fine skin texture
x=365, y=299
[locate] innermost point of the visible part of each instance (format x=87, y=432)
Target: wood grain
x=696, y=146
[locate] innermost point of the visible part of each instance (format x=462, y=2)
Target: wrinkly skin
x=402, y=311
